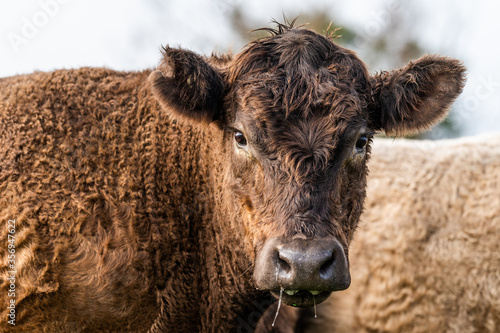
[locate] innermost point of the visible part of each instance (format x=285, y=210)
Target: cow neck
x=228, y=286
x=198, y=230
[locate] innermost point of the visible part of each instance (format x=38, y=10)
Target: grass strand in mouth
x=279, y=306
x=315, y=308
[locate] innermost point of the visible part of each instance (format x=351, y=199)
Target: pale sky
x=127, y=35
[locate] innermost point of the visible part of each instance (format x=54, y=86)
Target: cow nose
x=295, y=262
x=302, y=264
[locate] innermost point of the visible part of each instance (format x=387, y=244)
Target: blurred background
x=127, y=35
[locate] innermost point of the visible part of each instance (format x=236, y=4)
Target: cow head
x=298, y=114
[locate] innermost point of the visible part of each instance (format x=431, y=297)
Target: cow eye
x=362, y=142
x=240, y=139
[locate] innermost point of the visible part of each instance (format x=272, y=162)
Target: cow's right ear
x=188, y=86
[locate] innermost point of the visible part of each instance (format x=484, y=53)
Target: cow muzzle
x=303, y=272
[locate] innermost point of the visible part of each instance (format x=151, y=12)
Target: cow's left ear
x=414, y=98
x=188, y=86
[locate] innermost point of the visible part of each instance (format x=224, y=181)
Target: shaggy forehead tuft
x=298, y=72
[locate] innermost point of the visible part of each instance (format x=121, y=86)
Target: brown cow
x=177, y=199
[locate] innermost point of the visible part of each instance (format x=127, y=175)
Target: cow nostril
x=326, y=269
x=283, y=265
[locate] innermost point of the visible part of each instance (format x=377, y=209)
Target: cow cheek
x=247, y=216
x=255, y=227
x=355, y=204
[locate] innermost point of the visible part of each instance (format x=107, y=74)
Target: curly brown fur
x=136, y=209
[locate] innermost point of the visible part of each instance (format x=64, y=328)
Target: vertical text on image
x=11, y=265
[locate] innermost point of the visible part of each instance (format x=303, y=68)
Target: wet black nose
x=302, y=264
x=296, y=261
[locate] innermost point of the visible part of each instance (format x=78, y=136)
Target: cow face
x=298, y=114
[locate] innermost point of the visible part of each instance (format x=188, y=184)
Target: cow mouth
x=301, y=298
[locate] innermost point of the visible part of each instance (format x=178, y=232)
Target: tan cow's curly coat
x=426, y=257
